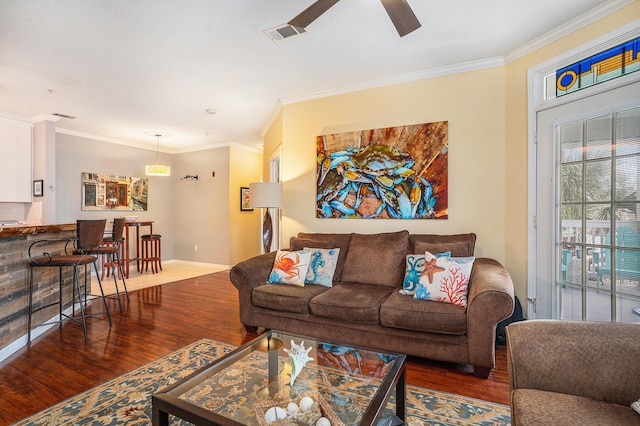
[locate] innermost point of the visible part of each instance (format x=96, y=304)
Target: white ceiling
x=124, y=68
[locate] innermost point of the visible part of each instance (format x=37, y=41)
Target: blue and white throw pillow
x=322, y=266
x=414, y=267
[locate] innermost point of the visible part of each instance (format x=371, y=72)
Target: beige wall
x=487, y=114
x=244, y=226
x=472, y=103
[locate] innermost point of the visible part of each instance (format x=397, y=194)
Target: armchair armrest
x=597, y=360
x=490, y=301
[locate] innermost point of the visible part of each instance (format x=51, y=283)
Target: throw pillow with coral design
x=445, y=279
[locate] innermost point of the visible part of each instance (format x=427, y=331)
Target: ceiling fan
x=399, y=11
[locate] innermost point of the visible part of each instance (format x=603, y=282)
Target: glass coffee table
x=252, y=386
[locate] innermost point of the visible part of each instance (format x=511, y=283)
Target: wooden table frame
x=168, y=401
x=127, y=258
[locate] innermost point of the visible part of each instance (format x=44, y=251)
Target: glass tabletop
x=293, y=379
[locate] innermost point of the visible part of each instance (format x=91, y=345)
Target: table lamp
x=266, y=195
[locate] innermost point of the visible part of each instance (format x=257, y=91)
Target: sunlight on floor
x=171, y=271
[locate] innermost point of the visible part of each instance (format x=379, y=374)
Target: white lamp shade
x=157, y=170
x=265, y=195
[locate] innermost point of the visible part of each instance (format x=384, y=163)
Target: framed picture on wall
x=244, y=200
x=37, y=188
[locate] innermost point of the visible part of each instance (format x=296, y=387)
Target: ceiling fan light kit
x=399, y=12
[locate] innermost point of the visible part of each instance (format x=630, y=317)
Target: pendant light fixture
x=157, y=169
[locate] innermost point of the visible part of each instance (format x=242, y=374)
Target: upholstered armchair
x=573, y=373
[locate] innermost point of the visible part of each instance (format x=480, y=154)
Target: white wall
x=200, y=207
x=75, y=155
x=185, y=212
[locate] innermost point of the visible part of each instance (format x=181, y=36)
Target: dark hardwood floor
x=159, y=320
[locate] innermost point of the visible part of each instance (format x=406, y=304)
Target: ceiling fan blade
x=401, y=15
x=312, y=13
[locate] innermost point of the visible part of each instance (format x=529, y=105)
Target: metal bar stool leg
x=76, y=278
x=30, y=305
x=104, y=299
x=124, y=283
x=115, y=280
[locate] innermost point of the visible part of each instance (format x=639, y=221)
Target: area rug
x=126, y=400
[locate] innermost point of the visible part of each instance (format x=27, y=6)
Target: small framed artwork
x=37, y=188
x=244, y=200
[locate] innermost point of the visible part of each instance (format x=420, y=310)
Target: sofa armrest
x=597, y=360
x=490, y=301
x=248, y=275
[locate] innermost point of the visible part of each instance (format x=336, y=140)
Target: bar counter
x=14, y=280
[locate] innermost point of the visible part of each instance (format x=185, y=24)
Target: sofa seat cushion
x=540, y=408
x=351, y=302
x=285, y=298
x=401, y=311
x=376, y=258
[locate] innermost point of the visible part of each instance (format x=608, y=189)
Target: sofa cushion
x=445, y=279
x=290, y=267
x=340, y=241
x=538, y=407
x=322, y=266
x=399, y=311
x=351, y=302
x=376, y=258
x=285, y=298
x=459, y=245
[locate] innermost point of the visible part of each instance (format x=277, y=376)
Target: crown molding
x=401, y=78
x=567, y=28
x=150, y=148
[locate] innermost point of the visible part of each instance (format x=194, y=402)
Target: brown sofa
x=573, y=373
x=365, y=308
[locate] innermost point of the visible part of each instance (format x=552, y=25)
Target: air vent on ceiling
x=57, y=114
x=284, y=31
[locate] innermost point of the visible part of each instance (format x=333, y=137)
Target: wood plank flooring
x=159, y=320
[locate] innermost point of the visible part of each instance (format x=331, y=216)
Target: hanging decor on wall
x=111, y=192
x=389, y=173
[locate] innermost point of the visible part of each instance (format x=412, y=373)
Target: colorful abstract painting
x=387, y=173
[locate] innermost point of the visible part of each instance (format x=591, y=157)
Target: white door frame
x=275, y=172
x=536, y=102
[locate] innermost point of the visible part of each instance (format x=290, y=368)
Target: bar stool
x=151, y=252
x=89, y=234
x=110, y=249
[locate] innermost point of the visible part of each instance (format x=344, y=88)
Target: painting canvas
x=388, y=173
x=112, y=192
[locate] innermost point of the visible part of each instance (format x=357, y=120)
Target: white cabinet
x=15, y=160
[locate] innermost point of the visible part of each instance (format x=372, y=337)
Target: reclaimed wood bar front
x=14, y=280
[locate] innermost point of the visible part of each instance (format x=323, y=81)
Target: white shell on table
x=292, y=408
x=274, y=413
x=323, y=421
x=306, y=403
x=299, y=356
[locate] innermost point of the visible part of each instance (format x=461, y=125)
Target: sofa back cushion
x=460, y=245
x=340, y=241
x=376, y=258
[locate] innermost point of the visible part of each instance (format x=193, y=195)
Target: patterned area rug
x=126, y=400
